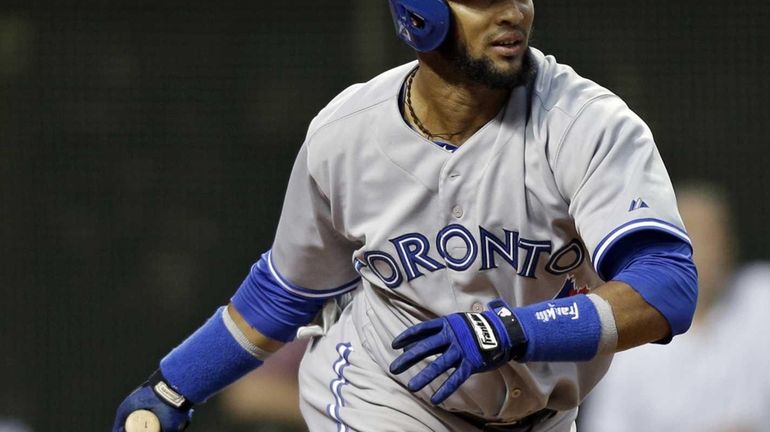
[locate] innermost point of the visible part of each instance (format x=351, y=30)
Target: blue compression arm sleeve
x=659, y=267
x=274, y=306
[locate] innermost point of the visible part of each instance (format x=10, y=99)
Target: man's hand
x=171, y=418
x=468, y=342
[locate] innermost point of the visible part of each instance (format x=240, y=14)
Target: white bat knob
x=142, y=421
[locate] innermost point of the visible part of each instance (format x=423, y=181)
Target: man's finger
x=417, y=332
x=418, y=351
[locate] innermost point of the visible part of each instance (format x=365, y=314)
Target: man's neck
x=449, y=107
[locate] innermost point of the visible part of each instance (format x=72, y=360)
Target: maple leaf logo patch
x=572, y=288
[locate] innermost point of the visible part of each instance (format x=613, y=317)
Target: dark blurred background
x=145, y=147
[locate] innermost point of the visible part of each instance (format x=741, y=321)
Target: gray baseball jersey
x=523, y=210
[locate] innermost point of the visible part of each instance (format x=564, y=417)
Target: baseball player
x=499, y=226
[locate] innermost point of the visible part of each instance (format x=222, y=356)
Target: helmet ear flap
x=422, y=24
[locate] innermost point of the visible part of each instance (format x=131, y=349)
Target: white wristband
x=609, y=338
x=241, y=338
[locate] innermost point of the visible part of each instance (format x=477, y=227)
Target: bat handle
x=142, y=421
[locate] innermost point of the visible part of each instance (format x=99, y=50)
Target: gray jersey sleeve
x=609, y=170
x=309, y=254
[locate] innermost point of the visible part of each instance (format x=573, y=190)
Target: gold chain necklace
x=417, y=122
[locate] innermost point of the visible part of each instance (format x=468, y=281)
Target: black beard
x=481, y=70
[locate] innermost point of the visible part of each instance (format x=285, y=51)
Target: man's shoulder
x=360, y=98
x=573, y=111
x=557, y=88
x=350, y=118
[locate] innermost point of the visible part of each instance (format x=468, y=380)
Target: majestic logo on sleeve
x=637, y=204
x=456, y=248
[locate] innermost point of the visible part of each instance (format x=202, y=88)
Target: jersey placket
x=457, y=241
x=459, y=186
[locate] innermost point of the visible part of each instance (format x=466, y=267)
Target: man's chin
x=510, y=68
x=490, y=69
x=498, y=75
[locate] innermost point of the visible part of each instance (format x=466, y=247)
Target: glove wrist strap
x=506, y=322
x=166, y=393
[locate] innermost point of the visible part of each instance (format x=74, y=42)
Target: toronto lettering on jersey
x=414, y=254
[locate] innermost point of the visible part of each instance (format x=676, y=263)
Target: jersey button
x=457, y=212
x=477, y=307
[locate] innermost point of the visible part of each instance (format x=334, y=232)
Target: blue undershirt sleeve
x=660, y=268
x=274, y=307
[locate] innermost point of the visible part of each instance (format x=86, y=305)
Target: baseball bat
x=142, y=421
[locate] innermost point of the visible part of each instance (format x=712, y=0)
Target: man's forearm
x=636, y=320
x=254, y=336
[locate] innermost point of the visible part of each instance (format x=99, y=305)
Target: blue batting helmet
x=422, y=24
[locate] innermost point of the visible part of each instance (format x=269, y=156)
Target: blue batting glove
x=172, y=409
x=468, y=342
